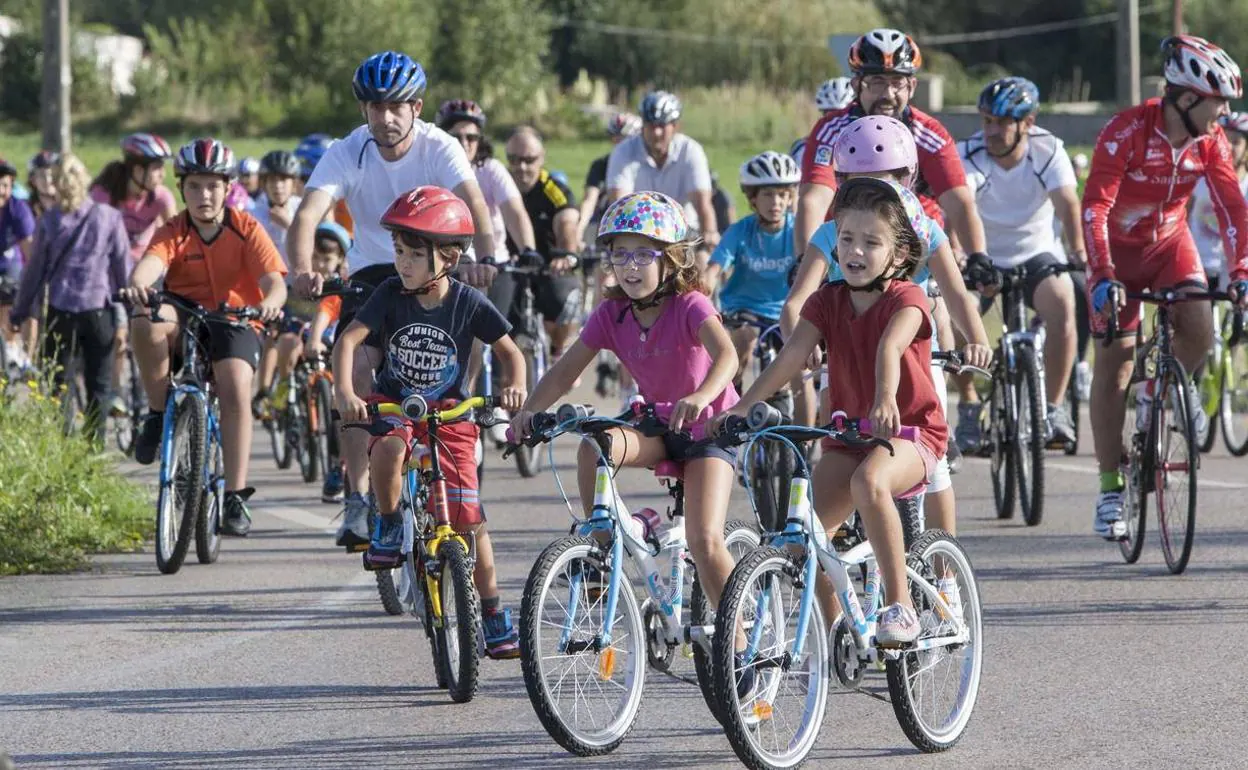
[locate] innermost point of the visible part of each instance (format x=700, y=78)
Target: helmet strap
x=1185, y=113
x=1018, y=138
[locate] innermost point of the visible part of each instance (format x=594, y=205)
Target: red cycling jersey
x=940, y=169
x=1137, y=191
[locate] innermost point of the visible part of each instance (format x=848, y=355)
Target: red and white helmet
x=1196, y=64
x=1236, y=121
x=145, y=147
x=204, y=156
x=623, y=124
x=885, y=52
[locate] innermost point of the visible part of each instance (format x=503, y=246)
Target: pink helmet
x=873, y=144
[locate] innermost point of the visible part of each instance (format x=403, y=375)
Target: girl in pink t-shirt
x=135, y=186
x=669, y=337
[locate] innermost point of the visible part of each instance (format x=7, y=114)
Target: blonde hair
x=72, y=181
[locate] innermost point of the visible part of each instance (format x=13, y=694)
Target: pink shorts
x=928, y=457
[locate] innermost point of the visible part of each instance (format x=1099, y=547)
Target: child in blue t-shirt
x=756, y=253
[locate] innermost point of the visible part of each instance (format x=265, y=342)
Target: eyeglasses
x=886, y=83
x=639, y=257
x=523, y=160
x=464, y=138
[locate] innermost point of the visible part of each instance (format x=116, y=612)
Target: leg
x=708, y=483
x=386, y=458
x=152, y=345
x=877, y=480
x=1193, y=333
x=830, y=481
x=484, y=576
x=268, y=363
x=121, y=339
x=234, y=378
x=289, y=348
x=96, y=334
x=1110, y=375
x=1083, y=330
x=628, y=449
x=355, y=442
x=1054, y=300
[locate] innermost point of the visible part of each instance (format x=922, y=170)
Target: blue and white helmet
x=661, y=107
x=834, y=94
x=311, y=149
x=1011, y=97
x=389, y=76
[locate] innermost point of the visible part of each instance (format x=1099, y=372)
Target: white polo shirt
x=353, y=169
x=686, y=171
x=1014, y=204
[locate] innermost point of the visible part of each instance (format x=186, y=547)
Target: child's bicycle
x=773, y=692
x=584, y=639
x=435, y=582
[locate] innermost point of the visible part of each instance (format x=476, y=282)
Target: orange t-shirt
x=226, y=270
x=342, y=215
x=332, y=307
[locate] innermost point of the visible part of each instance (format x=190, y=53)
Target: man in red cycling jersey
x=1147, y=161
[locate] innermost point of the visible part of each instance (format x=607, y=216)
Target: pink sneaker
x=898, y=627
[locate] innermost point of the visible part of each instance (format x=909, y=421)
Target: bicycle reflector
x=415, y=407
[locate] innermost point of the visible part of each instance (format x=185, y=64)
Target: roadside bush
x=60, y=499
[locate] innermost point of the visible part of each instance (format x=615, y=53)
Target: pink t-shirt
x=670, y=363
x=497, y=187
x=140, y=215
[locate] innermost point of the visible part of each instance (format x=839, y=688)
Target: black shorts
x=368, y=278
x=1037, y=269
x=556, y=297
x=682, y=448
x=224, y=340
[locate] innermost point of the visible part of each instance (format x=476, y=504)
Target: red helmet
x=145, y=147
x=433, y=213
x=455, y=110
x=885, y=52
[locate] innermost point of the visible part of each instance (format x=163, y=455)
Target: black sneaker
x=148, y=441
x=237, y=517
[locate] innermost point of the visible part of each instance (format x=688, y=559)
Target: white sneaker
x=1143, y=409
x=1108, y=522
x=1200, y=420
x=498, y=431
x=1083, y=381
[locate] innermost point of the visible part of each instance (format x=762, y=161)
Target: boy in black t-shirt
x=427, y=322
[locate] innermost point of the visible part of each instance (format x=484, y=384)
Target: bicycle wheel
x=741, y=539
x=1135, y=493
x=776, y=722
x=126, y=426
x=1029, y=437
x=934, y=690
x=999, y=432
x=1072, y=405
x=1234, y=398
x=211, y=507
x=586, y=691
x=1175, y=468
x=529, y=459
x=276, y=426
x=387, y=591
x=772, y=469
x=461, y=622
x=326, y=425
x=309, y=438
x=182, y=480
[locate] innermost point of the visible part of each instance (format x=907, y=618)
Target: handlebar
x=954, y=363
x=416, y=408
x=1167, y=297
x=339, y=288
x=225, y=312
x=650, y=419
x=764, y=417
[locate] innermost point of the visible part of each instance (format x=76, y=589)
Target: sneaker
x=898, y=627
x=967, y=433
x=747, y=677
x=117, y=407
x=498, y=431
x=261, y=408
x=1108, y=523
x=1083, y=381
x=1060, y=426
x=331, y=490
x=1200, y=420
x=280, y=394
x=237, y=518
x=385, y=550
x=502, y=641
x=953, y=456
x=148, y=441
x=948, y=589
x=354, y=529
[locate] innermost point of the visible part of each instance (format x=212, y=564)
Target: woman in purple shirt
x=80, y=259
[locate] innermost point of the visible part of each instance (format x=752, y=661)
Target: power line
x=1034, y=29
x=667, y=34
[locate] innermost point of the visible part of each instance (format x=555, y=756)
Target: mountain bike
x=126, y=424
x=773, y=691
x=1221, y=383
x=581, y=628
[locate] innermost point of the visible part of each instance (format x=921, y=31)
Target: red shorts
x=457, y=456
x=1171, y=263
x=929, y=461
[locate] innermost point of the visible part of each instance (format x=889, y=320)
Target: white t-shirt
x=630, y=169
x=497, y=187
x=276, y=231
x=1014, y=203
x=354, y=169
x=1206, y=231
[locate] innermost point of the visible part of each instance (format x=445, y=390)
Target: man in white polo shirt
x=1022, y=178
x=392, y=153
x=663, y=160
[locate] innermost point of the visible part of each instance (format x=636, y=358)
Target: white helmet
x=1080, y=160
x=1198, y=65
x=834, y=94
x=768, y=169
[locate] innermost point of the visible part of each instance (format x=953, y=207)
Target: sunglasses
x=523, y=160
x=467, y=137
x=639, y=257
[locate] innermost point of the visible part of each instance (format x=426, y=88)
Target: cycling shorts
x=1038, y=268
x=938, y=480
x=556, y=297
x=1172, y=263
x=457, y=455
x=223, y=340
x=682, y=448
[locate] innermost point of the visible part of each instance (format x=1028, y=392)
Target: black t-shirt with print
x=546, y=199
x=426, y=350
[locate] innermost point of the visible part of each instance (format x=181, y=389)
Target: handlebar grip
x=764, y=415
x=907, y=432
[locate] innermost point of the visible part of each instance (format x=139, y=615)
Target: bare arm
x=519, y=226
x=589, y=203
x=352, y=408
x=567, y=225
x=148, y=271
x=959, y=206
x=701, y=200
x=711, y=276
x=514, y=371
x=315, y=206
x=900, y=332
x=273, y=286
x=810, y=273
x=963, y=308
x=1066, y=205
x=788, y=363
x=483, y=242
x=560, y=377
x=812, y=206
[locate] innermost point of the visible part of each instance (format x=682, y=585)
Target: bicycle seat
x=669, y=470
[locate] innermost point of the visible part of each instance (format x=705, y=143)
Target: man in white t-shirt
x=663, y=160
x=1201, y=219
x=391, y=154
x=1022, y=178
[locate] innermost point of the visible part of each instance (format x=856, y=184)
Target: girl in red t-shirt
x=878, y=333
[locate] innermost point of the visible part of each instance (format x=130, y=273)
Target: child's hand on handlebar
x=512, y=398
x=137, y=296
x=520, y=424
x=685, y=411
x=716, y=425
x=978, y=356
x=313, y=348
x=885, y=418
x=269, y=309
x=352, y=407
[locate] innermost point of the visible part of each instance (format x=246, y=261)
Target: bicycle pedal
x=378, y=566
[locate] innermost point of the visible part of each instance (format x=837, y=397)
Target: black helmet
x=280, y=163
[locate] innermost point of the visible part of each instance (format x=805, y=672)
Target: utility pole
x=1128, y=52
x=1177, y=19
x=57, y=79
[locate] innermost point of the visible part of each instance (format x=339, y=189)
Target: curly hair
x=682, y=270
x=877, y=200
x=71, y=180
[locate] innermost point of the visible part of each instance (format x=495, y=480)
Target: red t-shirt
x=940, y=169
x=853, y=342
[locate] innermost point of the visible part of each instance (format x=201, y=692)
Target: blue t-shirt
x=17, y=223
x=824, y=239
x=760, y=263
x=426, y=350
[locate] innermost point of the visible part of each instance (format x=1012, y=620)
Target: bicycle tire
x=1001, y=459
x=1208, y=385
x=529, y=459
x=176, y=514
x=1073, y=405
x=211, y=510
x=126, y=427
x=1029, y=445
x=460, y=662
x=583, y=559
x=277, y=439
x=388, y=592
x=948, y=729
x=911, y=512
x=1176, y=519
x=327, y=426
x=1234, y=393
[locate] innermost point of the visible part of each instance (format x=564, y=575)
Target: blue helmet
x=388, y=76
x=1011, y=97
x=311, y=149
x=336, y=232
